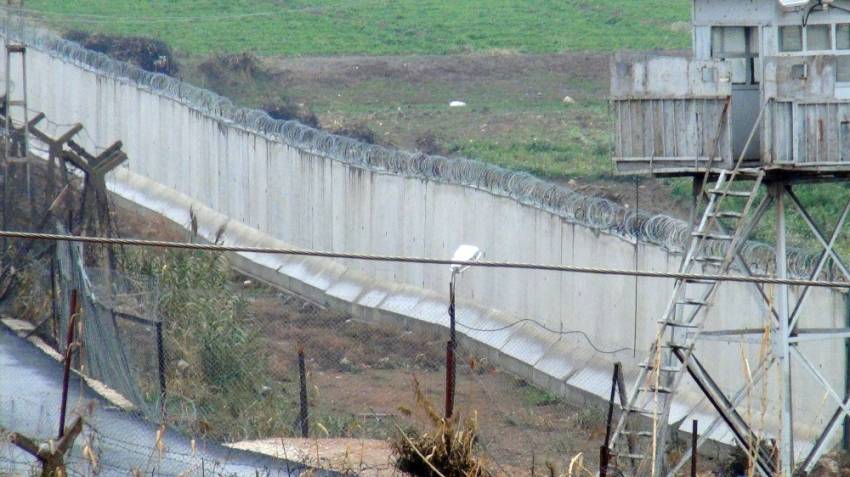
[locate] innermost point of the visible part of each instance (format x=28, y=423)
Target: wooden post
x=69, y=346
x=52, y=461
x=304, y=419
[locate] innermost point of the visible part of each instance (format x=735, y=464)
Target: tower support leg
x=781, y=338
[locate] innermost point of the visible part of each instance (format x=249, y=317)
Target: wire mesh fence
x=177, y=340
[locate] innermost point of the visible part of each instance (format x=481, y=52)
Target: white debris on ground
x=457, y=104
x=365, y=457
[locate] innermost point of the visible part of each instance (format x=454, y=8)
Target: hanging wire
x=548, y=330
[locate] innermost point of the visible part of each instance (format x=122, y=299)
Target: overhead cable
x=770, y=280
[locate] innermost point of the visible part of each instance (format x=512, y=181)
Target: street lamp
x=464, y=253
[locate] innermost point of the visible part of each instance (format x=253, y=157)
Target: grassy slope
x=506, y=124
x=381, y=27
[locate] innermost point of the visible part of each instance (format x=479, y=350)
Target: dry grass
x=448, y=450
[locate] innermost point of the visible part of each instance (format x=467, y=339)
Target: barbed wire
x=770, y=280
x=597, y=213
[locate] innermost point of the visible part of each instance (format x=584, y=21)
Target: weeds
x=147, y=53
x=536, y=396
x=358, y=130
x=285, y=109
x=449, y=450
x=221, y=373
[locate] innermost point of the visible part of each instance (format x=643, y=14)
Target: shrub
x=147, y=53
x=450, y=447
x=207, y=328
x=232, y=70
x=429, y=143
x=359, y=131
x=285, y=109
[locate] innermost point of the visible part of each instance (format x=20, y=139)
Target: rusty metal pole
x=160, y=353
x=603, y=461
x=69, y=343
x=451, y=347
x=694, y=439
x=604, y=453
x=302, y=371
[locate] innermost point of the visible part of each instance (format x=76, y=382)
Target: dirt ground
x=366, y=457
x=349, y=70
x=361, y=382
x=547, y=114
x=361, y=378
x=521, y=97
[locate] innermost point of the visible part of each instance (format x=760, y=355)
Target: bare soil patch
x=348, y=70
x=546, y=114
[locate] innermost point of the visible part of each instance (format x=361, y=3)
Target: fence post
x=302, y=371
x=69, y=345
x=694, y=439
x=603, y=451
x=160, y=353
x=450, y=353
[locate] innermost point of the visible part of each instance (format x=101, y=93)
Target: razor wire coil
x=594, y=212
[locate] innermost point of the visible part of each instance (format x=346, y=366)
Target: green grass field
x=516, y=117
x=382, y=27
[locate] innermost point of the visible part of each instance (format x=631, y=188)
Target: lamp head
x=465, y=253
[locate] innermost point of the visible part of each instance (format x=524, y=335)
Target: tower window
x=791, y=38
x=818, y=37
x=842, y=36
x=738, y=46
x=842, y=69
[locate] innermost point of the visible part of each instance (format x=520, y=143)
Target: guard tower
x=762, y=103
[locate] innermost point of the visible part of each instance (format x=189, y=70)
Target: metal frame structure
x=640, y=445
x=16, y=141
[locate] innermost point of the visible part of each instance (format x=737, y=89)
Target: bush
x=207, y=329
x=232, y=70
x=287, y=110
x=429, y=143
x=449, y=448
x=359, y=131
x=147, y=53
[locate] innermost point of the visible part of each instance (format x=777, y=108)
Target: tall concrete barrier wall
x=280, y=183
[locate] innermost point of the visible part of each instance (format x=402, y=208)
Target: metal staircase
x=639, y=443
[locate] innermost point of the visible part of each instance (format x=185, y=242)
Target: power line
x=769, y=280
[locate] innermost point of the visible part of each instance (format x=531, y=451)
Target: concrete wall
x=270, y=191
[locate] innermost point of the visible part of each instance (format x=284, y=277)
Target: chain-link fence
x=181, y=365
x=177, y=339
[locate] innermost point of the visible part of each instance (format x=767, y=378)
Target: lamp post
x=464, y=253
